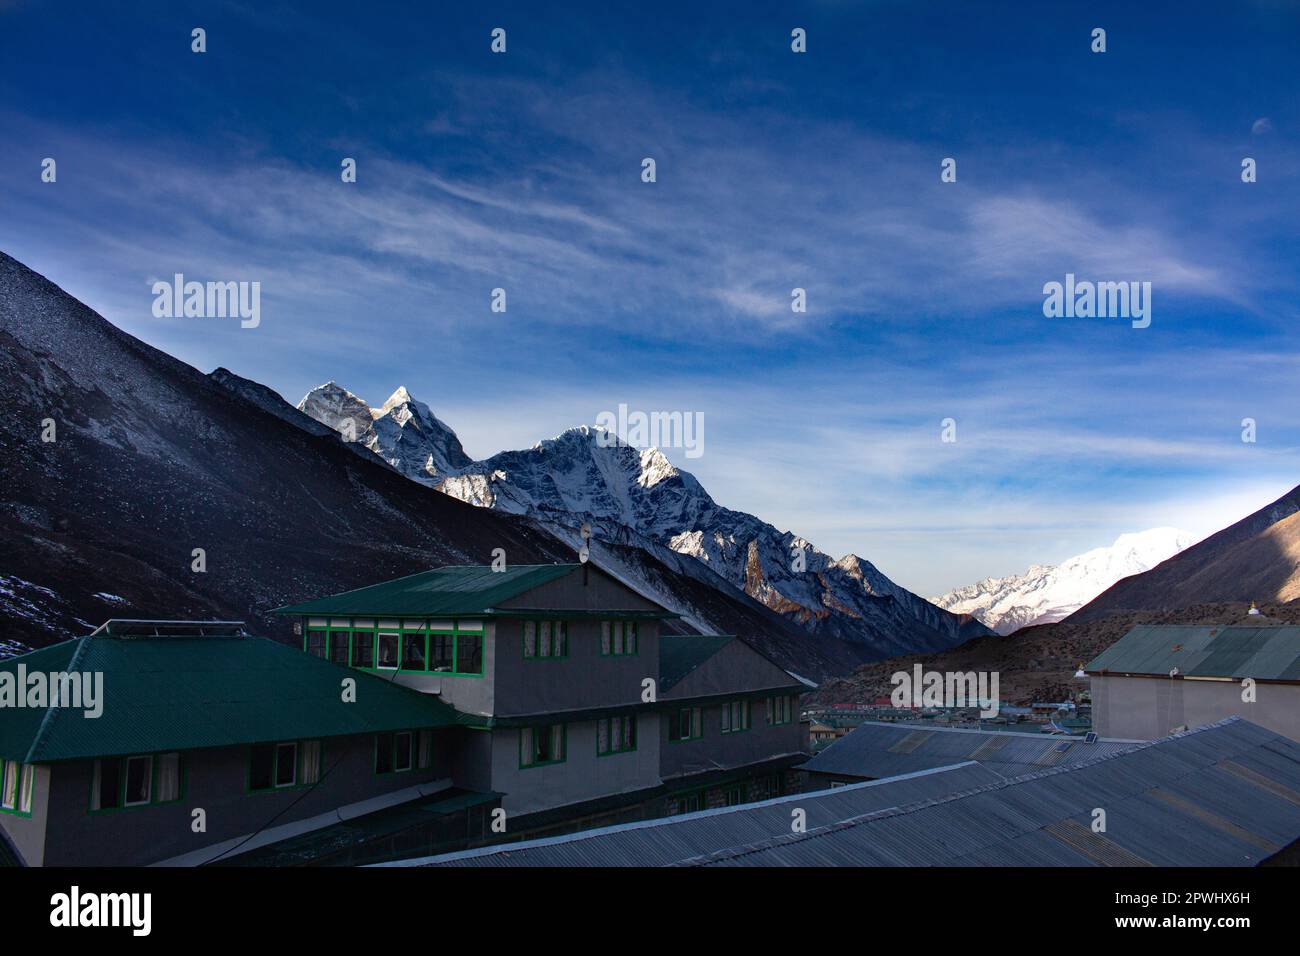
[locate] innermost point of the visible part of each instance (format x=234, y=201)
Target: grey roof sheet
x=1264, y=653
x=877, y=750
x=1227, y=794
x=674, y=839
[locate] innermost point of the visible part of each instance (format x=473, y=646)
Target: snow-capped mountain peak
x=1048, y=593
x=637, y=498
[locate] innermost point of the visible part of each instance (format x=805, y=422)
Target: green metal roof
x=1263, y=653
x=462, y=589
x=182, y=692
x=679, y=654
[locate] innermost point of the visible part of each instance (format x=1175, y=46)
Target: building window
x=316, y=643
x=424, y=749
x=136, y=781
x=413, y=651
x=469, y=653
x=106, y=792
x=339, y=647
x=311, y=751
x=363, y=649
x=16, y=782
x=539, y=746
x=780, y=710
x=442, y=651
x=686, y=724
x=618, y=638
x=394, y=753
x=615, y=735
x=139, y=781
x=735, y=716
x=284, y=765
x=546, y=640
x=691, y=802
x=386, y=655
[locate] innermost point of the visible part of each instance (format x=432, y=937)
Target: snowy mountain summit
x=636, y=498
x=402, y=431
x=1048, y=593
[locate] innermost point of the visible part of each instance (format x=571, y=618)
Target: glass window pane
x=425, y=756
x=310, y=761
x=339, y=646
x=440, y=650
x=469, y=654
x=286, y=765
x=108, y=787
x=316, y=643
x=139, y=780
x=530, y=639
x=413, y=652
x=25, y=789
x=384, y=753
x=363, y=649
x=402, y=751
x=9, y=793
x=261, y=766
x=387, y=650
x=169, y=777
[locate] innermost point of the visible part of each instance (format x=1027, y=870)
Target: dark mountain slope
x=153, y=459
x=1256, y=559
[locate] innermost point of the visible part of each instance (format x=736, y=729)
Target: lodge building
x=417, y=712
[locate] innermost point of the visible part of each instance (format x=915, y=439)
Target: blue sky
x=775, y=170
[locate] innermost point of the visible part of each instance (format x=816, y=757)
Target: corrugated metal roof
x=1264, y=653
x=877, y=750
x=1223, y=795
x=179, y=693
x=673, y=839
x=679, y=654
x=460, y=589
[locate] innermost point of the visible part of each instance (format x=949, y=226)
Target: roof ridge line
x=51, y=710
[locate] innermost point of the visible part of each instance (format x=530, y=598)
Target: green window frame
x=543, y=746
x=780, y=710
x=363, y=648
x=735, y=716
x=284, y=765
x=688, y=801
x=546, y=640
x=315, y=642
x=415, y=650
x=619, y=638
x=388, y=649
x=340, y=647
x=615, y=735
x=137, y=780
x=402, y=750
x=451, y=648
x=17, y=782
x=685, y=723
